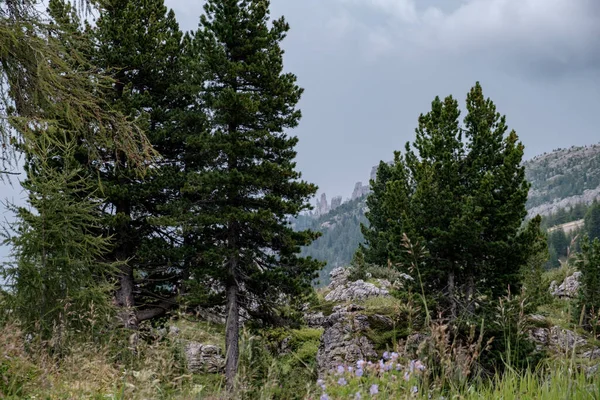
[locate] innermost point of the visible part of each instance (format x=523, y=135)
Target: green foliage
x=532, y=272
x=588, y=262
x=462, y=193
x=58, y=284
x=592, y=221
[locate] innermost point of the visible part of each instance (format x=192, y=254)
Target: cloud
x=554, y=35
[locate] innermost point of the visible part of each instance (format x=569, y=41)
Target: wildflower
x=350, y=368
x=374, y=389
x=360, y=363
x=388, y=367
x=407, y=376
x=359, y=372
x=381, y=364
x=324, y=397
x=415, y=389
x=321, y=383
x=411, y=366
x=357, y=396
x=419, y=365
x=342, y=382
x=398, y=367
x=386, y=355
x=394, y=356
x=340, y=369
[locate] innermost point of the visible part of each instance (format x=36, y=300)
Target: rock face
x=557, y=338
x=342, y=290
x=344, y=340
x=336, y=202
x=322, y=206
x=359, y=190
x=568, y=288
x=203, y=357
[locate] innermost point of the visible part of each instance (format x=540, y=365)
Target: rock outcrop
x=359, y=190
x=203, y=358
x=336, y=202
x=568, y=288
x=342, y=291
x=344, y=339
x=557, y=338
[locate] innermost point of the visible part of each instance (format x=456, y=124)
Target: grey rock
x=314, y=320
x=173, y=330
x=568, y=288
x=343, y=340
x=556, y=338
x=336, y=202
x=203, y=358
x=593, y=354
x=359, y=290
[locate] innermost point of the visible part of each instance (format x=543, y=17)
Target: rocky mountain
x=560, y=181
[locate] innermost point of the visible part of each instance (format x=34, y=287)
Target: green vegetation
x=163, y=253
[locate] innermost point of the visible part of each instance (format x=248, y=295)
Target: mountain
x=561, y=181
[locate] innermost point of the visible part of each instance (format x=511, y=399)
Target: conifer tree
x=60, y=285
x=461, y=191
x=141, y=45
x=251, y=187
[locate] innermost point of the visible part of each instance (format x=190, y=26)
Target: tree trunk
x=451, y=295
x=232, y=335
x=470, y=293
x=124, y=297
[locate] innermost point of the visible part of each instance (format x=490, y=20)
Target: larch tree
x=251, y=188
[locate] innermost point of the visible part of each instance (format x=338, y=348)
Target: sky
x=370, y=67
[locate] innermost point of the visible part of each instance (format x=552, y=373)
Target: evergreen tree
x=462, y=194
x=251, y=187
x=592, y=221
x=59, y=283
x=588, y=262
x=535, y=239
x=140, y=44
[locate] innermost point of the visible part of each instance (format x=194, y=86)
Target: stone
x=593, y=354
x=568, y=288
x=359, y=190
x=314, y=320
x=322, y=206
x=344, y=340
x=336, y=202
x=203, y=358
x=173, y=330
x=557, y=338
x=358, y=290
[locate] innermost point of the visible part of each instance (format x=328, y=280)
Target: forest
x=163, y=248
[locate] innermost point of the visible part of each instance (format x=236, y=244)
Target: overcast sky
x=370, y=67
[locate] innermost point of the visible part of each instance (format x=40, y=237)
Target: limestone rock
x=556, y=338
x=203, y=357
x=593, y=354
x=336, y=202
x=344, y=340
x=568, y=288
x=341, y=290
x=359, y=290
x=314, y=320
x=359, y=190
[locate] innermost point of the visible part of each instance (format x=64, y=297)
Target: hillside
x=565, y=179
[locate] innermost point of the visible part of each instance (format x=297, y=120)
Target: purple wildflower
x=350, y=368
x=359, y=372
x=394, y=356
x=374, y=389
x=387, y=367
x=415, y=389
x=342, y=382
x=360, y=363
x=340, y=369
x=357, y=396
x=324, y=397
x=398, y=367
x=386, y=355
x=321, y=383
x=419, y=365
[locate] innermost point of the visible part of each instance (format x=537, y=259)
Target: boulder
x=556, y=338
x=314, y=320
x=203, y=357
x=341, y=290
x=568, y=288
x=344, y=340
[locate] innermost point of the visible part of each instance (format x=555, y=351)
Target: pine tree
x=251, y=188
x=461, y=191
x=592, y=221
x=141, y=45
x=588, y=262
